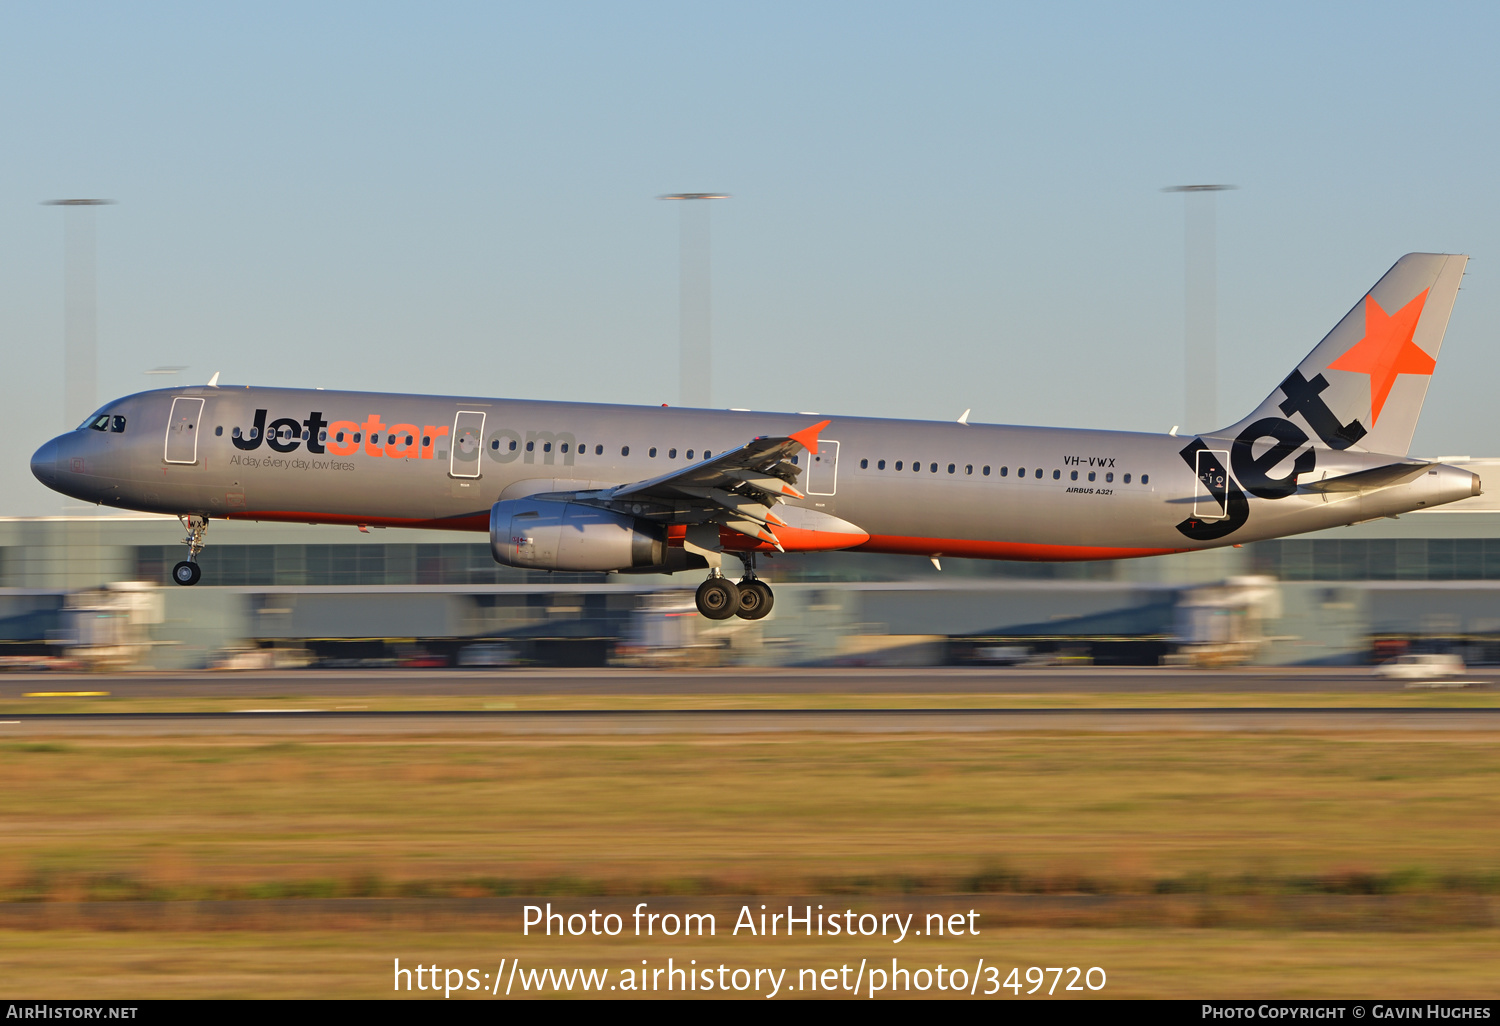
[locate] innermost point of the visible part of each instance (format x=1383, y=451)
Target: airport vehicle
x=588, y=487
x=1421, y=666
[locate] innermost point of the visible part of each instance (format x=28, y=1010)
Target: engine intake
x=544, y=534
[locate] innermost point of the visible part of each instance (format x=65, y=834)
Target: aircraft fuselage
x=876, y=485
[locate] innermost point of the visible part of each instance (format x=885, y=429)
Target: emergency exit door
x=823, y=469
x=468, y=440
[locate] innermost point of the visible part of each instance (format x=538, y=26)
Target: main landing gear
x=188, y=572
x=719, y=598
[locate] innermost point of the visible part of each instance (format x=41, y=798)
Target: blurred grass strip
x=162, y=819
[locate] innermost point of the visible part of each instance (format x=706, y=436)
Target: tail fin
x=1362, y=387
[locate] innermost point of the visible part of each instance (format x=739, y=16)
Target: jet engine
x=545, y=534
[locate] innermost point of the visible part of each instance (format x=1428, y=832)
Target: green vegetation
x=795, y=813
x=1229, y=864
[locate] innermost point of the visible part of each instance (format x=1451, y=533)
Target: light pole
x=695, y=298
x=80, y=310
x=1200, y=305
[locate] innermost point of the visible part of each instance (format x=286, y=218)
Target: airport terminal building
x=1348, y=595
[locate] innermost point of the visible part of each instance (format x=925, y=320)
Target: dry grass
x=231, y=817
x=1163, y=964
x=1379, y=695
x=1202, y=821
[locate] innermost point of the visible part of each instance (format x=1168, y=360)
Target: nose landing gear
x=188, y=572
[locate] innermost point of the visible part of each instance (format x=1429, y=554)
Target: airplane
x=592, y=487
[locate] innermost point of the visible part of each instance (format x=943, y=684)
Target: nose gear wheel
x=188, y=572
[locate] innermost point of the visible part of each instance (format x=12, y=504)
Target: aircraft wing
x=739, y=488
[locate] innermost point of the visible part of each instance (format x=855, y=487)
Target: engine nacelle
x=544, y=534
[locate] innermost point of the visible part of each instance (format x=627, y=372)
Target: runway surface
x=733, y=681
x=728, y=722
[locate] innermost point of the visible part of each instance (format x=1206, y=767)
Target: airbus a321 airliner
x=584, y=487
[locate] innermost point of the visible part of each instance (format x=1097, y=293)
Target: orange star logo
x=1387, y=350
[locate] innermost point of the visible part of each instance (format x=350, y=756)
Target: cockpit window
x=101, y=421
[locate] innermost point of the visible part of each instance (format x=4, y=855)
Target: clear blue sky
x=936, y=206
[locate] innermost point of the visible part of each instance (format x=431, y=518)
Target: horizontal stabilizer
x=1369, y=480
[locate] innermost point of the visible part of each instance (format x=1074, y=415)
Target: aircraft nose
x=44, y=463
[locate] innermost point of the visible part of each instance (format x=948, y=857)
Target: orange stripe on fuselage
x=792, y=539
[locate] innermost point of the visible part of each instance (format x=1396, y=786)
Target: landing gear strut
x=756, y=599
x=188, y=572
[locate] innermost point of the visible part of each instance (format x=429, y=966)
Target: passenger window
x=1145, y=479
x=512, y=445
x=951, y=468
x=531, y=447
x=356, y=435
x=1073, y=476
x=651, y=452
x=917, y=467
x=217, y=431
x=624, y=450
x=306, y=434
x=1126, y=479
x=390, y=439
x=796, y=460
x=933, y=468
x=1056, y=475
x=255, y=433
x=1022, y=472
x=671, y=454
x=969, y=468
x=323, y=437
x=987, y=470
x=898, y=464
x=1091, y=475
x=494, y=443
x=706, y=454
x=564, y=447
x=235, y=433
x=339, y=437
x=864, y=464
x=546, y=447
x=880, y=464
x=598, y=450
x=690, y=454
x=1109, y=477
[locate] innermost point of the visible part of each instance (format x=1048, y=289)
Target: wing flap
x=737, y=489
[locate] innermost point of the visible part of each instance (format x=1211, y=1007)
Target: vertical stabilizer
x=1362, y=387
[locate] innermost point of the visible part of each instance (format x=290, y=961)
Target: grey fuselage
x=919, y=487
